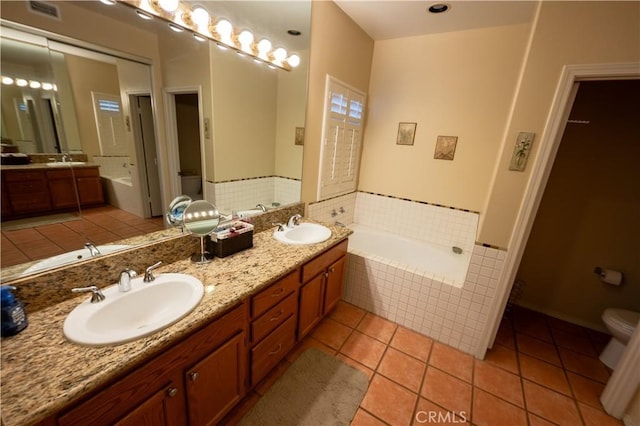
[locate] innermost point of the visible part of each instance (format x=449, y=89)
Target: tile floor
x=541, y=371
x=99, y=225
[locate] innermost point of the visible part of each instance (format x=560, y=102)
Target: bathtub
x=422, y=258
x=119, y=192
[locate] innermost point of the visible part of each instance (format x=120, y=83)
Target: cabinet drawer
x=273, y=294
x=86, y=172
x=273, y=318
x=59, y=174
x=20, y=176
x=272, y=349
x=322, y=262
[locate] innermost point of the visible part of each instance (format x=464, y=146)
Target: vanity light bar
x=23, y=82
x=198, y=22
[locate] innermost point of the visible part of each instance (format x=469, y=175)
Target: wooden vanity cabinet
x=31, y=191
x=321, y=287
x=273, y=325
x=27, y=191
x=195, y=382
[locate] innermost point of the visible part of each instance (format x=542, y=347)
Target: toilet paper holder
x=608, y=276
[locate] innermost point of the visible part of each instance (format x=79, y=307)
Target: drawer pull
x=193, y=376
x=277, y=350
x=278, y=292
x=277, y=316
x=171, y=392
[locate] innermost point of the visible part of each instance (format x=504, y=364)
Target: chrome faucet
x=148, y=275
x=66, y=157
x=124, y=284
x=261, y=207
x=92, y=249
x=279, y=225
x=294, y=221
x=96, y=294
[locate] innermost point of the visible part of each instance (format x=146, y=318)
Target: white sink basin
x=65, y=163
x=145, y=309
x=305, y=233
x=70, y=257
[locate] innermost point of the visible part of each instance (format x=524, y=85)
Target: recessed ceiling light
x=294, y=32
x=144, y=15
x=439, y=8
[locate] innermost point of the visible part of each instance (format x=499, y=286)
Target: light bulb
x=264, y=46
x=34, y=84
x=169, y=5
x=47, y=86
x=294, y=60
x=225, y=29
x=279, y=54
x=7, y=80
x=245, y=38
x=200, y=17
x=21, y=82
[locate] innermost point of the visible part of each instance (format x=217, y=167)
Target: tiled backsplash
x=113, y=167
x=247, y=193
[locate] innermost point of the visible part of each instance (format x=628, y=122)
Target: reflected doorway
x=187, y=132
x=145, y=140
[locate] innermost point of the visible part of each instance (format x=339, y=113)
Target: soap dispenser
x=14, y=317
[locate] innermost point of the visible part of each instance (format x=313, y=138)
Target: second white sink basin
x=305, y=233
x=65, y=163
x=145, y=309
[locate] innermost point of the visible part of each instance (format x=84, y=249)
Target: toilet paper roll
x=610, y=276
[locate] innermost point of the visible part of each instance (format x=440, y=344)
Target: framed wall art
x=406, y=133
x=445, y=147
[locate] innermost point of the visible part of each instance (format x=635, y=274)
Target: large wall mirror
x=186, y=118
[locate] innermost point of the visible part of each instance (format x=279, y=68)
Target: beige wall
x=566, y=33
x=589, y=214
x=292, y=100
x=451, y=84
x=342, y=49
x=245, y=102
x=90, y=76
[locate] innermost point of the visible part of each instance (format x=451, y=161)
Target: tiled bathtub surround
x=245, y=194
x=453, y=315
x=113, y=167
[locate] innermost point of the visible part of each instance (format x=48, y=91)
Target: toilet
x=620, y=323
x=192, y=186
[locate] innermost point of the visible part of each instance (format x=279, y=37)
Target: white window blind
x=342, y=139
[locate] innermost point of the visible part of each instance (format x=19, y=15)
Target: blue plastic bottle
x=14, y=317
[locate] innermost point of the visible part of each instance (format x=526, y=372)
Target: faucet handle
x=96, y=295
x=279, y=225
x=148, y=275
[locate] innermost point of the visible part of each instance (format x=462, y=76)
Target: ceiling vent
x=43, y=8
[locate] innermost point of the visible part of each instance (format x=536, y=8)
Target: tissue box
x=231, y=238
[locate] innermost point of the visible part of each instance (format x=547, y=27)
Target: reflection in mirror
x=201, y=218
x=247, y=117
x=175, y=214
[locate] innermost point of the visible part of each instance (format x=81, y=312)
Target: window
x=341, y=139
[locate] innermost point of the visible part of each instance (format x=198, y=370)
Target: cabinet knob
x=171, y=392
x=193, y=376
x=332, y=270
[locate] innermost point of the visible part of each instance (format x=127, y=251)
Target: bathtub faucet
x=93, y=250
x=261, y=207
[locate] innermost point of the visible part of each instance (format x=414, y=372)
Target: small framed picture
x=521, y=151
x=445, y=147
x=406, y=133
x=299, y=140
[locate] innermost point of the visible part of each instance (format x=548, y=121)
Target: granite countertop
x=40, y=166
x=42, y=372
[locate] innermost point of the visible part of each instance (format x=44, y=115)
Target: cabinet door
x=63, y=193
x=310, y=311
x=333, y=289
x=90, y=190
x=216, y=383
x=155, y=410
